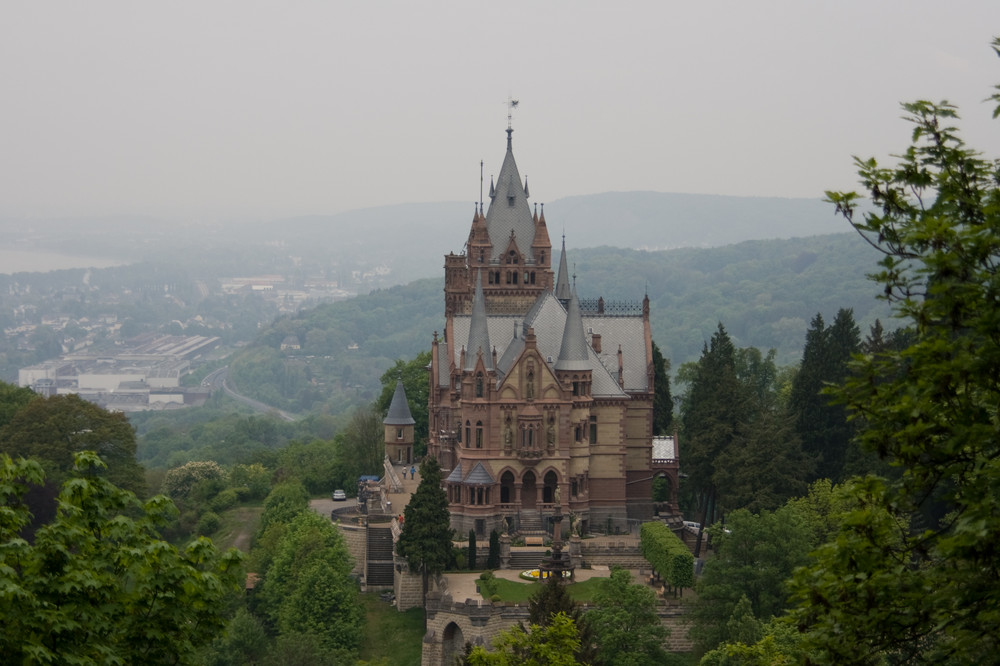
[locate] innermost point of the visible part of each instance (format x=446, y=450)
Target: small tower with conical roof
x=399, y=428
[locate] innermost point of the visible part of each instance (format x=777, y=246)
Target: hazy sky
x=219, y=109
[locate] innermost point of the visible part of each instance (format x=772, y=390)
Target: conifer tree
x=425, y=540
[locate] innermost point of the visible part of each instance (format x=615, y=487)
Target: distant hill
x=413, y=238
x=765, y=292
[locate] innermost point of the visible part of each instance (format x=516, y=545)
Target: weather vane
x=511, y=105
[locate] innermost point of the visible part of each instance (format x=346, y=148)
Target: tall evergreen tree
x=663, y=402
x=822, y=426
x=712, y=413
x=425, y=540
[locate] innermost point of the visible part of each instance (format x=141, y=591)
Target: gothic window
x=579, y=433
x=576, y=388
x=541, y=259
x=508, y=277
x=468, y=434
x=526, y=277
x=530, y=388
x=481, y=256
x=573, y=488
x=399, y=433
x=497, y=280
x=532, y=277
x=490, y=276
x=593, y=430
x=514, y=276
x=479, y=434
x=479, y=386
x=512, y=257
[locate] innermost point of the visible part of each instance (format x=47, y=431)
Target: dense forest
x=766, y=293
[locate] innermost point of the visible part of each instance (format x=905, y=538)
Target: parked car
x=339, y=495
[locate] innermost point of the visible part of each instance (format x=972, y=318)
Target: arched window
x=468, y=434
x=526, y=277
x=479, y=434
x=479, y=386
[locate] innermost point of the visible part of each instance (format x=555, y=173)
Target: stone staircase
x=379, y=573
x=531, y=523
x=525, y=558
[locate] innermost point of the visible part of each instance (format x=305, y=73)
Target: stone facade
x=537, y=399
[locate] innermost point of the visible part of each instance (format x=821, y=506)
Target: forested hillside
x=765, y=292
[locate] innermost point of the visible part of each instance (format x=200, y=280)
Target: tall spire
x=479, y=332
x=562, y=279
x=573, y=354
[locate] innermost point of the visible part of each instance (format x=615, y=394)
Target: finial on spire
x=480, y=183
x=511, y=105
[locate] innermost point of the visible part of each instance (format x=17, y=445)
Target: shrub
x=227, y=499
x=208, y=523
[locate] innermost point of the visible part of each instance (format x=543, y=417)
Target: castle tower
x=399, y=428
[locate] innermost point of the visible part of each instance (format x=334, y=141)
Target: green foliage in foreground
x=667, y=553
x=555, y=644
x=98, y=585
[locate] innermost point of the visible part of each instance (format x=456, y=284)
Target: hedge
x=671, y=559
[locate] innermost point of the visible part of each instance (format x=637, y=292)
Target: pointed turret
x=562, y=278
x=399, y=429
x=479, y=332
x=573, y=354
x=399, y=408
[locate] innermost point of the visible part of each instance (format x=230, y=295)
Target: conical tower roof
x=479, y=332
x=399, y=408
x=574, y=353
x=562, y=279
x=509, y=212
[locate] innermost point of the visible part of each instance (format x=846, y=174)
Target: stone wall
x=356, y=538
x=408, y=587
x=451, y=624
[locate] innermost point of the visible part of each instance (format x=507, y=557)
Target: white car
x=339, y=496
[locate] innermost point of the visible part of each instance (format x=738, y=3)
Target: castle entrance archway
x=506, y=487
x=528, y=490
x=549, y=489
x=452, y=643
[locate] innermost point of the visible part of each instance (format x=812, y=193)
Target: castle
x=539, y=401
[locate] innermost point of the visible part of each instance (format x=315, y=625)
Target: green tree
x=493, y=560
x=12, y=399
x=755, y=556
x=823, y=427
x=414, y=376
x=308, y=589
x=663, y=402
x=180, y=481
x=712, y=412
x=54, y=429
x=550, y=601
x=98, y=585
x=425, y=540
x=885, y=591
x=554, y=644
x=627, y=630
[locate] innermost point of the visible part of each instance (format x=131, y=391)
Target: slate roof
x=479, y=335
x=399, y=408
x=573, y=352
x=479, y=476
x=509, y=211
x=562, y=277
x=548, y=318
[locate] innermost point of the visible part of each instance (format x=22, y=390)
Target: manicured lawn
x=519, y=593
x=391, y=637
